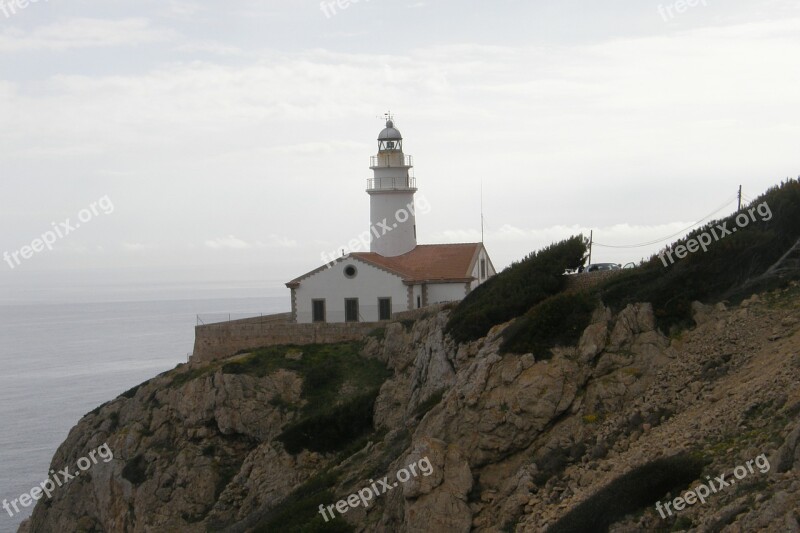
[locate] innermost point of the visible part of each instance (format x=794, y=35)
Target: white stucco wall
x=476, y=271
x=368, y=285
x=445, y=292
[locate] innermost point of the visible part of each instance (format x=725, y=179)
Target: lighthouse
x=397, y=274
x=393, y=226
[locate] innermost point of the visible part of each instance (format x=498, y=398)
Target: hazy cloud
x=84, y=33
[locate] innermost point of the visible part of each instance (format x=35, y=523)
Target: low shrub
x=299, y=512
x=333, y=429
x=639, y=488
x=114, y=419
x=557, y=321
x=190, y=375
x=429, y=403
x=516, y=289
x=724, y=271
x=682, y=524
x=135, y=470
x=378, y=333
x=130, y=393
x=325, y=368
x=225, y=472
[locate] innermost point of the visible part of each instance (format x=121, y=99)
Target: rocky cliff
x=598, y=432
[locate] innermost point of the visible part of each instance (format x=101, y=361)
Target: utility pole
x=591, y=237
x=740, y=199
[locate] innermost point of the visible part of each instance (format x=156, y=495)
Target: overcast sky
x=233, y=138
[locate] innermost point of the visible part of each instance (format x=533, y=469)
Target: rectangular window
x=483, y=268
x=318, y=310
x=384, y=308
x=351, y=309
x=419, y=302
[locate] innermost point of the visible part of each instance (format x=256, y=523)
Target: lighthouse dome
x=390, y=133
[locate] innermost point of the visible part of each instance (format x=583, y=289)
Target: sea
x=65, y=351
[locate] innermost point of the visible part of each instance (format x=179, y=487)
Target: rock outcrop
x=514, y=443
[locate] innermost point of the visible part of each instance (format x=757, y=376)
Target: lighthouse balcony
x=391, y=160
x=392, y=184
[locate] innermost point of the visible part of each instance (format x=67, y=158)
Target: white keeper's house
x=397, y=274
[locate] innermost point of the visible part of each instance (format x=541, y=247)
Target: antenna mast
x=481, y=210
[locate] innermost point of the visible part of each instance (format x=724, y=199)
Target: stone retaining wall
x=224, y=339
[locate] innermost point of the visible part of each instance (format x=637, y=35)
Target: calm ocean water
x=60, y=360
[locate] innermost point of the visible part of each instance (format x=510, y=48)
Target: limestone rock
x=438, y=502
x=634, y=319
x=788, y=455
x=513, y=443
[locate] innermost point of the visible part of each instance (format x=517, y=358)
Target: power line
x=640, y=245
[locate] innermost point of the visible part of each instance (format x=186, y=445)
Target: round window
x=350, y=271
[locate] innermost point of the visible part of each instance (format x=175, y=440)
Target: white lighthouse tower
x=391, y=192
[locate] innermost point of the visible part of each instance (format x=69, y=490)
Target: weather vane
x=388, y=116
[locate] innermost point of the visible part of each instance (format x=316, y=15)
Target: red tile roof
x=426, y=262
x=429, y=262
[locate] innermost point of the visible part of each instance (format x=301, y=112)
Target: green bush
x=394, y=446
x=325, y=368
x=96, y=410
x=320, y=374
x=333, y=429
x=637, y=489
x=557, y=321
x=135, y=470
x=225, y=472
x=682, y=524
x=721, y=271
x=114, y=419
x=130, y=393
x=378, y=333
x=408, y=324
x=329, y=422
x=429, y=403
x=516, y=289
x=185, y=377
x=727, y=270
x=299, y=512
x=209, y=450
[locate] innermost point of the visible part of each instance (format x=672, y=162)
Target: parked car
x=597, y=267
